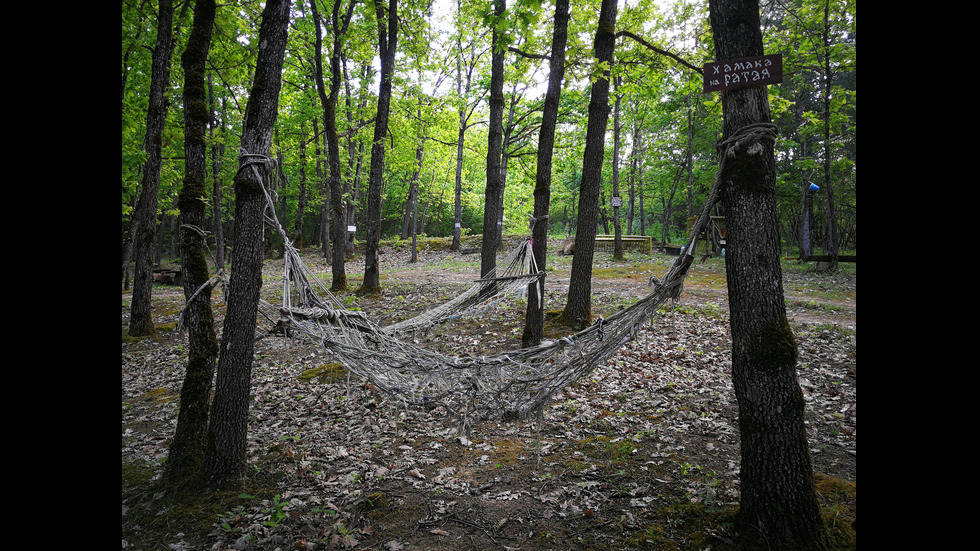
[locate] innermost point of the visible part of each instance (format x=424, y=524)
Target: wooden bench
x=640, y=243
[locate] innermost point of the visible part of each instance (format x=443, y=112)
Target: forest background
x=662, y=133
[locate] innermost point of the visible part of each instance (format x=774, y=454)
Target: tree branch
x=673, y=56
x=522, y=53
x=356, y=127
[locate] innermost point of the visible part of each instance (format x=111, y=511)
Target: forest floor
x=643, y=454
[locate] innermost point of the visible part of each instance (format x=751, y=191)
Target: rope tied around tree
x=750, y=138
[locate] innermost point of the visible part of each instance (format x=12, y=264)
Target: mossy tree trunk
x=778, y=509
x=228, y=428
x=184, y=467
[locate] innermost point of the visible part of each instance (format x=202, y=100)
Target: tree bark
x=778, y=509
x=534, y=316
x=338, y=24
x=227, y=433
x=578, y=308
x=388, y=44
x=184, y=467
x=143, y=230
x=494, y=190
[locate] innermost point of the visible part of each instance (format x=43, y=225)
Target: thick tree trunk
x=227, y=433
x=494, y=190
x=143, y=230
x=778, y=509
x=388, y=43
x=578, y=309
x=185, y=463
x=534, y=317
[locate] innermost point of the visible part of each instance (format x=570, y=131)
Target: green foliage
x=668, y=127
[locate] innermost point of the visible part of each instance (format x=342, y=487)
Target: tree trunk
x=534, y=317
x=227, y=433
x=184, y=466
x=143, y=230
x=494, y=190
x=578, y=309
x=388, y=44
x=778, y=509
x=338, y=24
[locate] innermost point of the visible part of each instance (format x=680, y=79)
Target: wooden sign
x=741, y=73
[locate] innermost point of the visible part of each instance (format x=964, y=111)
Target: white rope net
x=475, y=389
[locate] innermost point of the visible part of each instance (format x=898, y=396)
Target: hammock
x=515, y=384
x=475, y=389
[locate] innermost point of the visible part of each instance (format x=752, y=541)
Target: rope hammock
x=516, y=384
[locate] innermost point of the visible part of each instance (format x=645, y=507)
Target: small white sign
x=351, y=228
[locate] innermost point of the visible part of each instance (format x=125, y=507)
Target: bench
x=640, y=243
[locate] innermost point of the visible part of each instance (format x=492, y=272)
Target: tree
x=578, y=308
x=495, y=177
x=338, y=27
x=228, y=426
x=143, y=230
x=778, y=509
x=534, y=316
x=186, y=458
x=387, y=46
